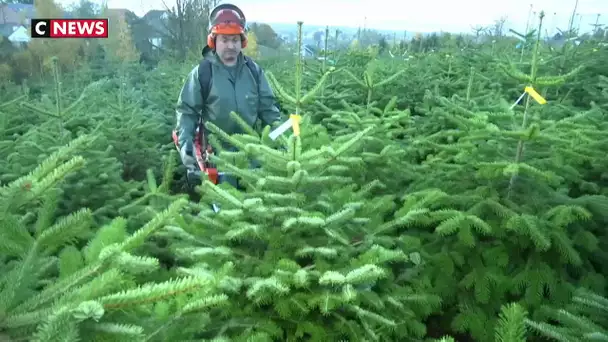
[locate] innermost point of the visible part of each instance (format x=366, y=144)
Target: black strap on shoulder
x=204, y=78
x=254, y=69
x=204, y=75
x=205, y=71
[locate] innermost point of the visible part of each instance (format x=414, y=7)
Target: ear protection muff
x=226, y=19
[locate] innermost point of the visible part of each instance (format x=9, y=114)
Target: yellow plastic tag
x=536, y=96
x=295, y=124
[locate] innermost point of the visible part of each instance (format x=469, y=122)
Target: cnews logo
x=69, y=28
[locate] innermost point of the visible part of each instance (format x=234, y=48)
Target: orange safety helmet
x=227, y=19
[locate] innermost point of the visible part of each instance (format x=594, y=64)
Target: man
x=233, y=84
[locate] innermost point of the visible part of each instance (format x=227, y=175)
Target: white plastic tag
x=281, y=129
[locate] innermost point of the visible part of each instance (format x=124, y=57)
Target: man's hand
x=187, y=158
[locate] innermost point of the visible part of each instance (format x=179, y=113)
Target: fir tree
x=55, y=122
x=584, y=319
x=510, y=229
x=53, y=290
x=305, y=266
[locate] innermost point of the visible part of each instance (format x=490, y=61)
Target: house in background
x=19, y=14
x=16, y=34
x=157, y=22
x=15, y=21
x=308, y=51
x=138, y=27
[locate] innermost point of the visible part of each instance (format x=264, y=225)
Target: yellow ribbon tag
x=295, y=124
x=536, y=96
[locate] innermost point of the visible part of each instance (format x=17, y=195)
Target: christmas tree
x=63, y=279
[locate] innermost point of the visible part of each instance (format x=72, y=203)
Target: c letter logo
x=40, y=28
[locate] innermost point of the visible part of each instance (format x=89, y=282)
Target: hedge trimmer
x=202, y=151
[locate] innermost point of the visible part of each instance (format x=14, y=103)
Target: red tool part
x=202, y=156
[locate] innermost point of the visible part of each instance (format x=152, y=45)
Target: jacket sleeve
x=188, y=110
x=268, y=111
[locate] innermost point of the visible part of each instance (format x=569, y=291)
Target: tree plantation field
x=428, y=197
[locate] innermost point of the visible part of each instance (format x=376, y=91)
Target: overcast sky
x=424, y=16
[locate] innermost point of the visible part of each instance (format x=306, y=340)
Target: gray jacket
x=231, y=89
